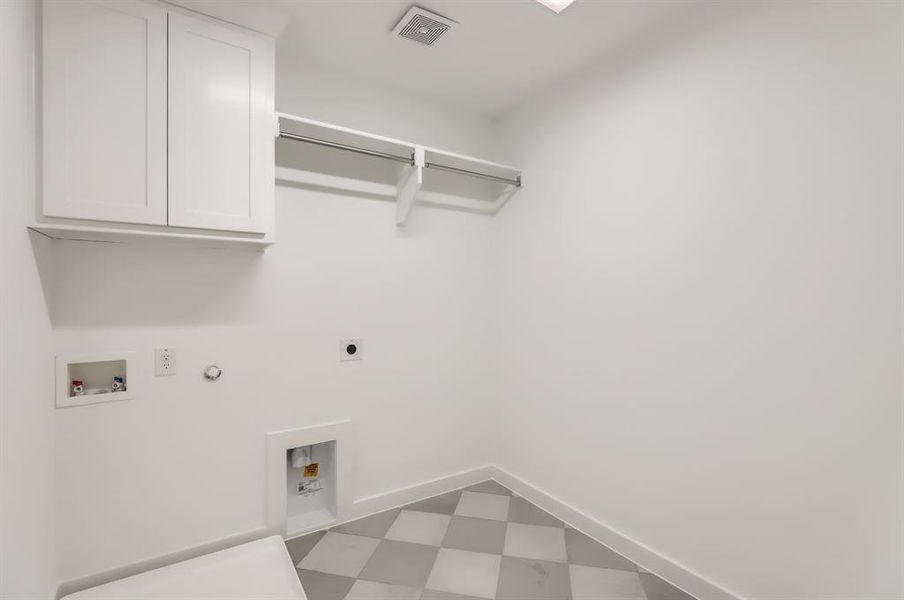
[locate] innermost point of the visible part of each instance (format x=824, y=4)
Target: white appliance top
x=259, y=570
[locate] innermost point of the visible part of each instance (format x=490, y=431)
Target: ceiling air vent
x=422, y=26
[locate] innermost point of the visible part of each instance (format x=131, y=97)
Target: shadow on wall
x=43, y=252
x=94, y=284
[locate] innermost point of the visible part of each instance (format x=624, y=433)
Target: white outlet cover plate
x=344, y=354
x=159, y=369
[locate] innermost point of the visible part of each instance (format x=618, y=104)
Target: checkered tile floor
x=479, y=542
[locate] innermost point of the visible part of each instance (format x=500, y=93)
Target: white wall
x=27, y=557
x=183, y=464
x=308, y=90
x=701, y=297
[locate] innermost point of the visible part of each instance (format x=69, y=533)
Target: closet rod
x=303, y=138
x=516, y=182
x=410, y=161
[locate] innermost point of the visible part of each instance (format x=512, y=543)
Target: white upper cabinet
x=221, y=126
x=156, y=122
x=104, y=92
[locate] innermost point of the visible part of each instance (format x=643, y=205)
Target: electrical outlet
x=164, y=361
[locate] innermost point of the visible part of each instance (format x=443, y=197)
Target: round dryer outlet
x=350, y=349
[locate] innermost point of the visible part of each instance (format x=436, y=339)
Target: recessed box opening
x=97, y=377
x=310, y=486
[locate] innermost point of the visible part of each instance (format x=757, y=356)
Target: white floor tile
x=419, y=527
x=372, y=590
x=483, y=506
x=340, y=554
x=535, y=541
x=591, y=583
x=464, y=572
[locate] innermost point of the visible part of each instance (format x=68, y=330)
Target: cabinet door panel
x=220, y=127
x=104, y=94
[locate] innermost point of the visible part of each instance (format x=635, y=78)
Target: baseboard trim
x=678, y=575
x=419, y=491
x=370, y=505
x=121, y=572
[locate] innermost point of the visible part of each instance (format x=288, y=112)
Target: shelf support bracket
x=409, y=185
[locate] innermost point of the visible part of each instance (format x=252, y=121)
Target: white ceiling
x=501, y=52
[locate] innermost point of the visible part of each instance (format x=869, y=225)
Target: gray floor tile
x=478, y=535
x=483, y=506
x=658, y=589
x=419, y=527
x=340, y=554
x=374, y=590
x=323, y=586
x=584, y=550
x=374, y=526
x=299, y=547
x=438, y=595
x=489, y=487
x=465, y=572
x=522, y=511
x=400, y=563
x=526, y=579
x=535, y=541
x=591, y=583
x=443, y=504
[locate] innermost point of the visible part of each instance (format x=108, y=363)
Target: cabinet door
x=104, y=123
x=221, y=124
